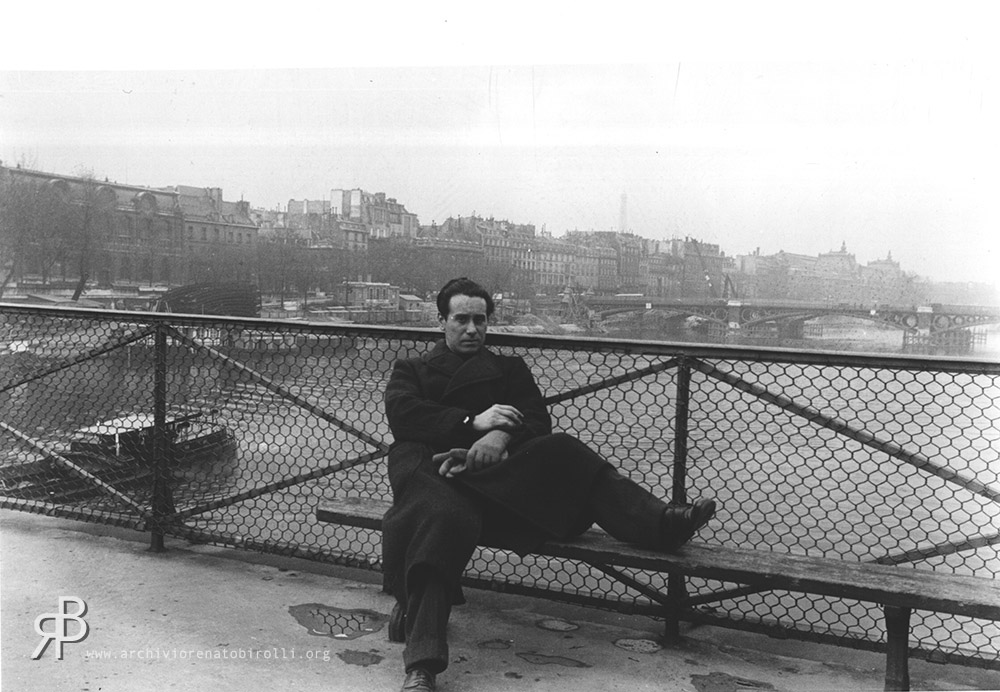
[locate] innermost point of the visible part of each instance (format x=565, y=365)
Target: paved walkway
x=203, y=618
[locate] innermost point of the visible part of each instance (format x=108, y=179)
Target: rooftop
x=202, y=617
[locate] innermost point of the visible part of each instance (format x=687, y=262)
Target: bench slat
x=353, y=511
x=886, y=584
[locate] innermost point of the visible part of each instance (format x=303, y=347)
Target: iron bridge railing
x=232, y=431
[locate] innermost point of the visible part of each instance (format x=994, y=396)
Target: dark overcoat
x=537, y=493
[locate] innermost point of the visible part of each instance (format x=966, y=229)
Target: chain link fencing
x=232, y=432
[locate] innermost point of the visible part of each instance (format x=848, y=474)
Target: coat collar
x=463, y=371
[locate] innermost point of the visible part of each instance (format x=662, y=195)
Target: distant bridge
x=790, y=316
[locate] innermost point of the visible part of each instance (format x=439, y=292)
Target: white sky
x=783, y=126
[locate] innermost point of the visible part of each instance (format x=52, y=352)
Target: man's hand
x=452, y=462
x=498, y=417
x=489, y=449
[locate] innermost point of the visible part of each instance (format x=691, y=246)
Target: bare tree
x=89, y=225
x=32, y=226
x=50, y=223
x=15, y=226
x=424, y=269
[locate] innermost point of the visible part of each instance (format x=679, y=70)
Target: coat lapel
x=462, y=372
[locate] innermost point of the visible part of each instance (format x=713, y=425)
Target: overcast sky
x=797, y=151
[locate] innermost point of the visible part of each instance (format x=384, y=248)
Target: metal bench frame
x=899, y=590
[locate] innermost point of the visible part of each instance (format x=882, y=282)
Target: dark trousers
x=624, y=509
x=428, y=607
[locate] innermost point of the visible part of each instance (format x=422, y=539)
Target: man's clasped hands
x=500, y=421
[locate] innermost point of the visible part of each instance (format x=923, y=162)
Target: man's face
x=465, y=324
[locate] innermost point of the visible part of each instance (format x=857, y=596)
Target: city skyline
x=796, y=155
x=301, y=206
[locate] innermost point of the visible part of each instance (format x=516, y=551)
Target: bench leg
x=676, y=593
x=897, y=644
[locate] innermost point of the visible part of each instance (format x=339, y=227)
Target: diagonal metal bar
x=613, y=381
x=284, y=393
x=938, y=550
x=75, y=469
x=646, y=590
x=842, y=427
x=106, y=347
x=722, y=595
x=275, y=486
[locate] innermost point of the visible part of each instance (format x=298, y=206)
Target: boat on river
x=119, y=452
x=131, y=438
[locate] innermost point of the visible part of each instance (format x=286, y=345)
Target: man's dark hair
x=462, y=287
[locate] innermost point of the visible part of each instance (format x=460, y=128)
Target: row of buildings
x=595, y=261
x=55, y=227
x=831, y=277
x=180, y=234
x=598, y=261
x=346, y=221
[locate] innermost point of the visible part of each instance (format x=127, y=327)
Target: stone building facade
x=210, y=220
x=554, y=264
x=383, y=216
x=121, y=235
x=111, y=232
x=833, y=277
x=221, y=236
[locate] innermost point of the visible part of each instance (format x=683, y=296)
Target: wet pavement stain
x=339, y=623
x=724, y=682
x=360, y=658
x=543, y=659
x=497, y=644
x=638, y=646
x=554, y=625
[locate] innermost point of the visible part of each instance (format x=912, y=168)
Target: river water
x=783, y=483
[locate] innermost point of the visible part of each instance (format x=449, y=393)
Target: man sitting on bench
x=474, y=459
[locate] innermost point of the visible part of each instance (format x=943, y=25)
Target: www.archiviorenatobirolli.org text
x=236, y=654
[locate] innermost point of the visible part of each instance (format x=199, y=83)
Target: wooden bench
x=898, y=589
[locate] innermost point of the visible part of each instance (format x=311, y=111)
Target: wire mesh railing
x=232, y=431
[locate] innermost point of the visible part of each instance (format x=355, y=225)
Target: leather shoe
x=681, y=522
x=419, y=680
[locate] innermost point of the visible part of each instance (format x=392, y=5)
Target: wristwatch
x=468, y=421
